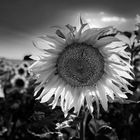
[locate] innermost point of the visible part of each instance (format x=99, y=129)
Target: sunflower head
x=82, y=66
x=19, y=82
x=22, y=69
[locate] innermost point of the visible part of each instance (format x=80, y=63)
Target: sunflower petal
x=89, y=101
x=102, y=95
x=105, y=41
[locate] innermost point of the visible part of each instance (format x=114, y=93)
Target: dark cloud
x=23, y=15
x=22, y=19
x=29, y=15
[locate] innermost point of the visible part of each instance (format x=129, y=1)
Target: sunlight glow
x=93, y=23
x=113, y=19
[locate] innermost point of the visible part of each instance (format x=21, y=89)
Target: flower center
x=80, y=64
x=21, y=71
x=19, y=83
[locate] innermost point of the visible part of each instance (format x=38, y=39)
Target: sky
x=22, y=21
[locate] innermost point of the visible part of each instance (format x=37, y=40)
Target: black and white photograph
x=69, y=70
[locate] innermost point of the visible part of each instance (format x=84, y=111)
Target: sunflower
x=1, y=92
x=22, y=69
x=19, y=82
x=82, y=66
x=25, y=64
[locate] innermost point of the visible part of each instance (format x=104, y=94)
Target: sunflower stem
x=83, y=124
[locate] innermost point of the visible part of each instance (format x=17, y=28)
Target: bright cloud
x=99, y=19
x=113, y=19
x=93, y=23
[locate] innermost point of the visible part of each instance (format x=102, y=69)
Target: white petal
x=105, y=41
x=102, y=95
x=57, y=95
x=91, y=35
x=89, y=100
x=121, y=82
x=124, y=38
x=49, y=58
x=43, y=67
x=53, y=51
x=63, y=93
x=47, y=96
x=78, y=100
x=59, y=42
x=50, y=85
x=97, y=102
x=108, y=91
x=35, y=57
x=116, y=58
x=44, y=77
x=68, y=101
x=120, y=68
x=116, y=89
x=124, y=74
x=36, y=64
x=118, y=72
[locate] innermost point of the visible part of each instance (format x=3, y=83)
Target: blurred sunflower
x=19, y=82
x=5, y=69
x=22, y=69
x=1, y=92
x=25, y=64
x=79, y=67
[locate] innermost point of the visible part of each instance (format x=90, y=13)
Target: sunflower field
x=29, y=111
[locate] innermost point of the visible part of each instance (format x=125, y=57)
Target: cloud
x=113, y=19
x=93, y=23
